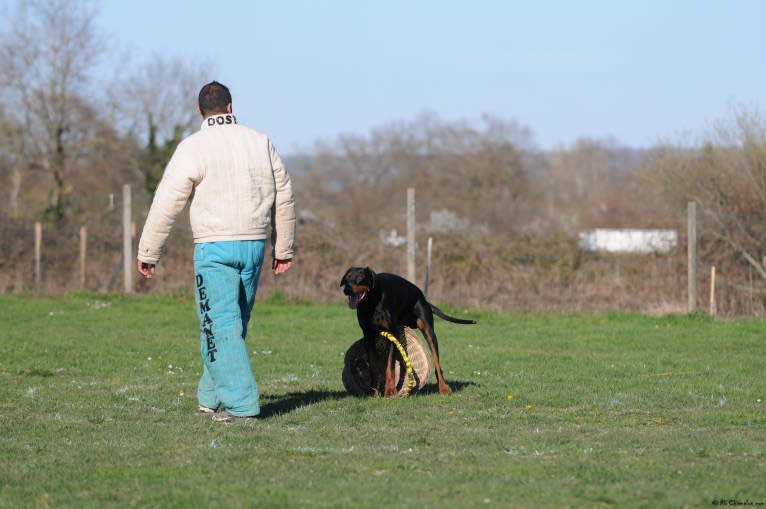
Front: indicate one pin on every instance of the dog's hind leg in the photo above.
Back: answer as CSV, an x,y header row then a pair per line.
x,y
425,323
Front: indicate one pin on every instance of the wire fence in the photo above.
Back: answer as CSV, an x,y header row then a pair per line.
x,y
100,258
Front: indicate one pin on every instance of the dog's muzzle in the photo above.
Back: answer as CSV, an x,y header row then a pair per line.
x,y
355,298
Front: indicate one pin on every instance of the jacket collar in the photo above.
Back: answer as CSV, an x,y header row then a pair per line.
x,y
218,120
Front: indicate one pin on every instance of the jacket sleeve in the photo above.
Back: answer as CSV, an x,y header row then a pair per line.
x,y
283,210
172,193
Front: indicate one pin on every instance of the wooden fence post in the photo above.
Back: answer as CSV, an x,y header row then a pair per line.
x,y
713,308
692,256
411,234
428,267
38,251
127,240
83,255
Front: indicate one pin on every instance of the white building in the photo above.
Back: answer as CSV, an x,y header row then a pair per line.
x,y
629,240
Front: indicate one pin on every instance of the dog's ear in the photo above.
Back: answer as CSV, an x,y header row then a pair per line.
x,y
371,275
343,279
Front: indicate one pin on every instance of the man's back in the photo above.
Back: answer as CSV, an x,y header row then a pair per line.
x,y
236,176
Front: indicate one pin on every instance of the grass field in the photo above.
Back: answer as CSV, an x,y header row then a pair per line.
x,y
98,410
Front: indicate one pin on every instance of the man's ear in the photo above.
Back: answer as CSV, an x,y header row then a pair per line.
x,y
228,108
199,111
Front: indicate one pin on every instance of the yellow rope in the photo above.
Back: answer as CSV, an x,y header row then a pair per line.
x,y
410,372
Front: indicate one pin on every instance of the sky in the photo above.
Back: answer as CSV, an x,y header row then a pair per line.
x,y
637,73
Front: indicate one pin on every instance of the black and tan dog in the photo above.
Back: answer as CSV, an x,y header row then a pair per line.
x,y
387,302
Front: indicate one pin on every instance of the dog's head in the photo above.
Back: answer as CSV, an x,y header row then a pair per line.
x,y
357,283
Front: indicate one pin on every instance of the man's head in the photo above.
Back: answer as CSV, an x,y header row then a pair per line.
x,y
214,98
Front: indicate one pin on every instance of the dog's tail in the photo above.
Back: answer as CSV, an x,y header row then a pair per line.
x,y
441,314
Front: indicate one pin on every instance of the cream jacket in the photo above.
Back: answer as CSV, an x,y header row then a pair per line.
x,y
238,185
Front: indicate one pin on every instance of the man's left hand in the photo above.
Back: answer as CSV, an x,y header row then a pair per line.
x,y
281,266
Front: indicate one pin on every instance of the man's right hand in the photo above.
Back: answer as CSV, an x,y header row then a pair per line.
x,y
146,269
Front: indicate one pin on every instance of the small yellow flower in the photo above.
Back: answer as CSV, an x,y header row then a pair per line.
x,y
529,406
510,397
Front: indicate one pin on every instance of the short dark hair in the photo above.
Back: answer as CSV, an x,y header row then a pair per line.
x,y
213,98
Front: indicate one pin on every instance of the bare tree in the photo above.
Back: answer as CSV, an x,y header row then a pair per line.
x,y
725,174
481,171
12,148
582,182
467,174
158,97
47,49
153,103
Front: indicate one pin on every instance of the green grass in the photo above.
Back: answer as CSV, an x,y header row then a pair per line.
x,y
97,401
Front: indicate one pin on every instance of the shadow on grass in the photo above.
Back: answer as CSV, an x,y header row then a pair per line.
x,y
286,403
455,385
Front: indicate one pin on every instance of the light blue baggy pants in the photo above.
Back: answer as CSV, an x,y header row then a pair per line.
x,y
226,276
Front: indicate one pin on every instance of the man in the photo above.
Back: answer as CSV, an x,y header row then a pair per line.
x,y
239,187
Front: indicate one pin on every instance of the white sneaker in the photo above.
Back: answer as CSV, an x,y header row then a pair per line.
x,y
224,416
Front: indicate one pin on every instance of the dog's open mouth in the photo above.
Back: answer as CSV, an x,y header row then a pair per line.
x,y
355,298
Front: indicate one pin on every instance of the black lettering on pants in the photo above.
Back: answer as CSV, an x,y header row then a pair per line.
x,y
205,321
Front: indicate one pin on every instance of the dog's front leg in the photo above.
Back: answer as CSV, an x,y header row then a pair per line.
x,y
390,388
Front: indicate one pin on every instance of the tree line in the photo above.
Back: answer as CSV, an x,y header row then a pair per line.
x,y
504,215
73,125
